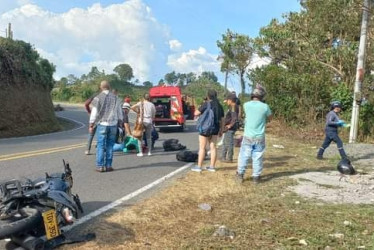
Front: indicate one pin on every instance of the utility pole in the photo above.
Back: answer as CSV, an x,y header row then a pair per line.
x,y
357,96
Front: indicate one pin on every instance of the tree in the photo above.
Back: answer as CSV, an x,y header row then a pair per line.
x,y
94,74
171,78
147,84
124,72
208,75
313,59
236,51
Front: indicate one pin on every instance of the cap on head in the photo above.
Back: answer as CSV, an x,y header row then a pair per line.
x,y
127,99
336,104
258,92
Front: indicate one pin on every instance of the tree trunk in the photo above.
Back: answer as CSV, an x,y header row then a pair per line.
x,y
242,82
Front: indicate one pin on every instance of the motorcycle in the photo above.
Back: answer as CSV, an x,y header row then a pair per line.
x,y
32,212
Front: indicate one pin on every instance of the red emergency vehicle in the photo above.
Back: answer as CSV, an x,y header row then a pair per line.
x,y
169,107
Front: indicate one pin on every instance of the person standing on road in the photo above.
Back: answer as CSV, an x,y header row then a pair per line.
x,y
149,113
107,114
333,122
230,127
90,135
257,113
204,140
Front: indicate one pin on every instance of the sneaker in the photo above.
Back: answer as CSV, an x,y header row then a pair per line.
x,y
196,169
256,179
149,154
319,157
239,178
87,152
211,169
139,154
109,169
100,169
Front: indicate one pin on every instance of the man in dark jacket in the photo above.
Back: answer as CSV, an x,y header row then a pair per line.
x,y
333,122
230,127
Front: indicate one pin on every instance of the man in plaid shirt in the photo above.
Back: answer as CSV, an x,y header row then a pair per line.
x,y
107,114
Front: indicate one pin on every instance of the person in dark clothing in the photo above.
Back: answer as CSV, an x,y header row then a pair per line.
x,y
211,139
333,122
91,134
230,127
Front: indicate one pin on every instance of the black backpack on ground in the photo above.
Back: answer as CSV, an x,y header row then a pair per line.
x,y
187,156
172,145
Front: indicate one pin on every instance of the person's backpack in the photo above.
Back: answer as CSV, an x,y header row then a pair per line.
x,y
172,145
187,156
205,124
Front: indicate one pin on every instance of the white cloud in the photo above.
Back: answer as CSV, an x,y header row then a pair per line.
x,y
97,36
175,45
194,61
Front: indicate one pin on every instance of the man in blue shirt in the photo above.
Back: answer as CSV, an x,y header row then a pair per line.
x,y
257,113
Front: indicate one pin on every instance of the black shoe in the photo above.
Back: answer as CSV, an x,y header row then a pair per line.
x,y
239,178
256,179
319,157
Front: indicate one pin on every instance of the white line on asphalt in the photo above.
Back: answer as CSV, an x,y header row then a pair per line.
x,y
125,198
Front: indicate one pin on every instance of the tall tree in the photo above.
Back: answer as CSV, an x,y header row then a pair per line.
x,y
171,78
236,52
124,72
208,75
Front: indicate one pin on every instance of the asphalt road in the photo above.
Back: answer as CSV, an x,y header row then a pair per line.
x,y
32,156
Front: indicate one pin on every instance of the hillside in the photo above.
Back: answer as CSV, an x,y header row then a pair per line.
x,y
26,81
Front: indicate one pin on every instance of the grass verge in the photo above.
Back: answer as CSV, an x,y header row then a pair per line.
x,y
264,216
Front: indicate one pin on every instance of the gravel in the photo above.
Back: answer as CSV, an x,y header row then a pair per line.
x,y
336,188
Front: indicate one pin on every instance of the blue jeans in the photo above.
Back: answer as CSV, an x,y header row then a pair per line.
x,y
106,136
254,149
332,136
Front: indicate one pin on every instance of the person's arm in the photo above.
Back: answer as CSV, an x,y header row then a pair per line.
x,y
332,119
234,119
200,110
92,119
87,105
135,107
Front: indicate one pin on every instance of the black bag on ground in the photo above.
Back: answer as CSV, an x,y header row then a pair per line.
x,y
187,156
172,145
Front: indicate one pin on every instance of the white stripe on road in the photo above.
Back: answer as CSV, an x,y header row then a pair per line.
x,y
125,198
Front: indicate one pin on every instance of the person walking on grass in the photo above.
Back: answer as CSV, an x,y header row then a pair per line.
x,y
210,139
230,127
107,114
149,113
257,113
333,122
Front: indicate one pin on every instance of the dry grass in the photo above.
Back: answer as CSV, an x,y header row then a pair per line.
x,y
264,216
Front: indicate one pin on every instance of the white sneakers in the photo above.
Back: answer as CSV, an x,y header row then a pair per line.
x,y
140,154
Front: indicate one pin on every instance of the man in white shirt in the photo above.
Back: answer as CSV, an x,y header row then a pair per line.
x,y
149,113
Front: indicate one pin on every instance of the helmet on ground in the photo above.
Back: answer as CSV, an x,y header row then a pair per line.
x,y
258,92
345,167
336,104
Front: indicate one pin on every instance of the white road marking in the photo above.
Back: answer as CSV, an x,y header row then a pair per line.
x,y
125,198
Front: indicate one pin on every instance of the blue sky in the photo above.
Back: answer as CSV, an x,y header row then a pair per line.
x,y
154,36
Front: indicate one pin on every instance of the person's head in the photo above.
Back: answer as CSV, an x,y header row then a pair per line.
x,y
147,97
115,91
104,85
127,99
336,106
258,93
212,94
231,99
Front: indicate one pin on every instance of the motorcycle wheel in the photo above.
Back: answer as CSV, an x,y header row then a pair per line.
x,y
20,222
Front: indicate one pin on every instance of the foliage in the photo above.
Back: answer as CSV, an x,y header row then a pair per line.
x,y
21,61
236,52
313,59
124,72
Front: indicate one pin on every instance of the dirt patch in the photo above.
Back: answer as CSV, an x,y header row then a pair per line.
x,y
336,188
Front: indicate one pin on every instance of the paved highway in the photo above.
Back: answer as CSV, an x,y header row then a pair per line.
x,y
33,156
